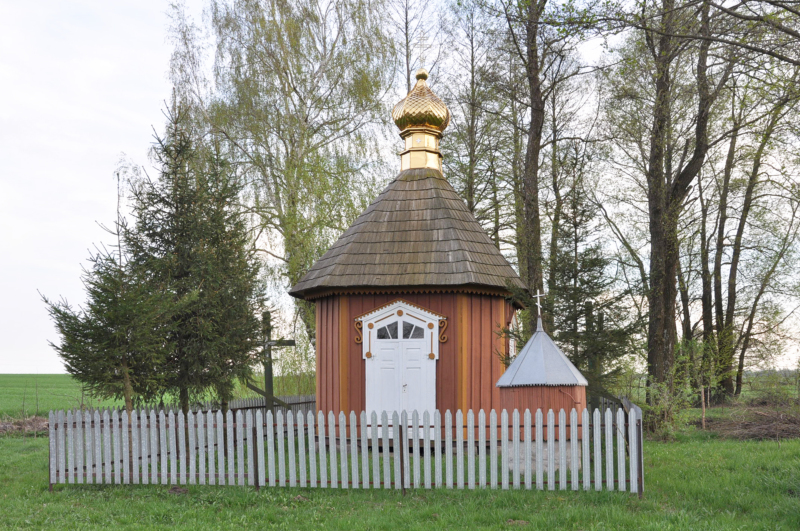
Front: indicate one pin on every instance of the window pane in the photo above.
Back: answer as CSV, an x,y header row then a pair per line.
x,y
418,333
383,333
407,329
392,330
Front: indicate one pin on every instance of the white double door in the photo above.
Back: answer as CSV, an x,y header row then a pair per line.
x,y
401,376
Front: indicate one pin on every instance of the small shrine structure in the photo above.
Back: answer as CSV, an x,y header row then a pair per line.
x,y
542,377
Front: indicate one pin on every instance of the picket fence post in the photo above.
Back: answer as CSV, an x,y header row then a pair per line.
x,y
365,452
621,450
562,450
301,447
504,446
551,455
609,419
515,454
51,430
312,451
528,447
573,444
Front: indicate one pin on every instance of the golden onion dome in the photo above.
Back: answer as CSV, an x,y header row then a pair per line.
x,y
421,108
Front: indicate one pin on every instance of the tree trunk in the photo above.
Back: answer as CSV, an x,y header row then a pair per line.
x,y
727,341
666,195
183,398
532,237
705,273
660,333
723,218
127,388
686,319
557,210
472,127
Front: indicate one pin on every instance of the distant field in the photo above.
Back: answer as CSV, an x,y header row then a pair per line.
x,y
27,394
23,395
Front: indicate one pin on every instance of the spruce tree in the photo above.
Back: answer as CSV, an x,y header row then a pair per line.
x,y
192,237
591,323
115,345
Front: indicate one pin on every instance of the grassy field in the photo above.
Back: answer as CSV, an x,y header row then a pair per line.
x,y
696,482
22,395
25,394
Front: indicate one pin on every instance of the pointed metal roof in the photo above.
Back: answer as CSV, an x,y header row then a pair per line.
x,y
418,232
541,362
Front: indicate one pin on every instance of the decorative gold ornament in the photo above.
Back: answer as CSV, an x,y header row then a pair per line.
x,y
442,328
432,356
421,117
421,108
359,336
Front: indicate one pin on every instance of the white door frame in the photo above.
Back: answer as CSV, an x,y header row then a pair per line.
x,y
399,311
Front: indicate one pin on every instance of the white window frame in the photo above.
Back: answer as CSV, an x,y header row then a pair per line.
x,y
428,319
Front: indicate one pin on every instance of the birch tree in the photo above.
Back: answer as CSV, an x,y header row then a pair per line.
x,y
298,94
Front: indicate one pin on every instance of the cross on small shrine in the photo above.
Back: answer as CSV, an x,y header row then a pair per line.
x,y
538,298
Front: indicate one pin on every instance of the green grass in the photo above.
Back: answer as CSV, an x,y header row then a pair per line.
x,y
696,482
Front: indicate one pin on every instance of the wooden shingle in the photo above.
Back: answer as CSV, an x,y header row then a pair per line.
x,y
418,232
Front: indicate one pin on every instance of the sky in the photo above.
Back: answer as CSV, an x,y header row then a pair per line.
x,y
82,84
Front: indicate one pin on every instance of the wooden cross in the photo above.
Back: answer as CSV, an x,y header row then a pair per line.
x,y
538,298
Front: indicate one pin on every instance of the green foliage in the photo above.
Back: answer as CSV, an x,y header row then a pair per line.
x,y
591,320
773,388
667,409
299,89
191,238
174,311
297,367
115,346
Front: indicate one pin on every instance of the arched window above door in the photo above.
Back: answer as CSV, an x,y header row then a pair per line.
x,y
399,320
409,331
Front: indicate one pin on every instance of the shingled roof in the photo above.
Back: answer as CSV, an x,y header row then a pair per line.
x,y
418,232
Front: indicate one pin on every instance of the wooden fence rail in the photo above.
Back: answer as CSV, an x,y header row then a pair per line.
x,y
296,403
506,450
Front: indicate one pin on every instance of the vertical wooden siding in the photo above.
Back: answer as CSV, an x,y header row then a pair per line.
x,y
328,397
469,361
545,397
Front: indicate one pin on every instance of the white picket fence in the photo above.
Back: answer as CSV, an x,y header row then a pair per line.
x,y
522,450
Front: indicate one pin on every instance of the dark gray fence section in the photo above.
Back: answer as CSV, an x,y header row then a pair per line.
x,y
296,403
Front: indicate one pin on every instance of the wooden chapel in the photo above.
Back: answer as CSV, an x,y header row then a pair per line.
x,y
411,299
